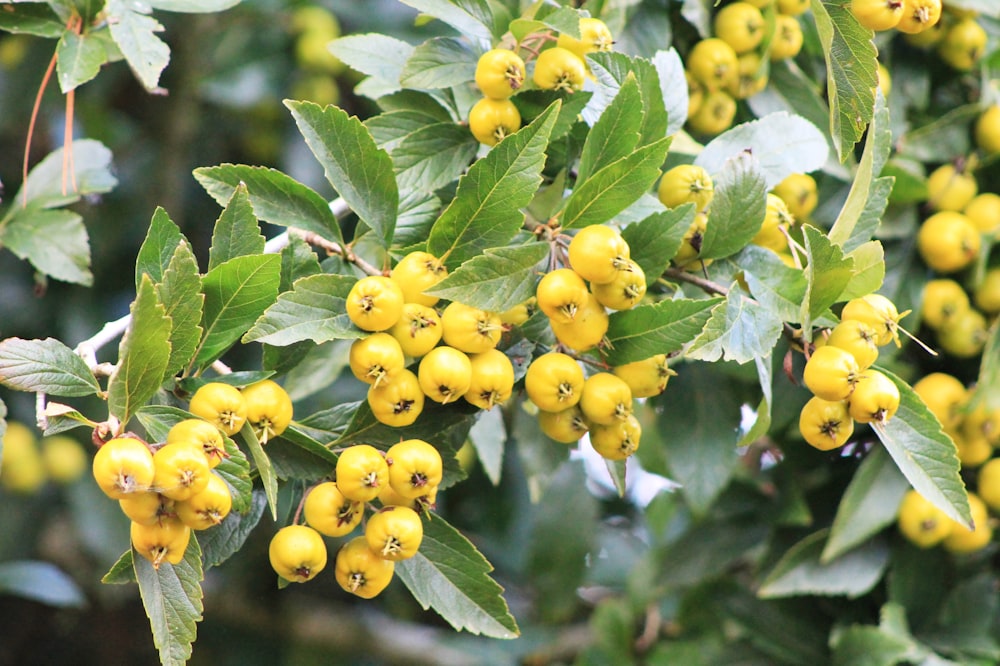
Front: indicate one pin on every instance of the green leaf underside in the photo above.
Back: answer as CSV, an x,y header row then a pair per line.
x,y
738,207
775,285
468,17
135,34
440,62
860,645
660,328
193,6
739,329
29,235
781,144
616,132
655,239
486,209
360,171
263,465
616,186
868,505
91,174
851,73
80,57
496,280
276,197
183,302
46,366
172,598
237,292
673,87
236,232
489,436
143,355
158,248
800,571
864,199
379,56
451,577
924,453
315,309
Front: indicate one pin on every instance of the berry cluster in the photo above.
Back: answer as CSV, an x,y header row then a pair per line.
x,y
958,38
404,325
908,16
265,405
28,463
404,482
733,64
501,72
846,389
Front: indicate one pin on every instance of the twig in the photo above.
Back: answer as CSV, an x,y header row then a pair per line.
x,y
704,284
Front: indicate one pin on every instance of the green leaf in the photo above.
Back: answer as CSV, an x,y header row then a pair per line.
x,y
792,90
32,19
180,293
134,31
440,62
433,156
42,582
762,415
263,465
738,207
701,411
560,19
276,198
313,310
775,285
988,382
389,129
673,87
532,103
79,59
237,292
297,261
172,598
312,446
486,209
489,437
860,645
851,76
871,216
660,328
801,572
379,56
450,576
44,366
50,185
221,542
739,329
827,271
859,202
30,232
706,551
868,505
780,143
656,238
158,248
924,453
469,17
360,171
615,187
556,561
122,572
143,355
943,139
496,280
417,214
869,270
611,71
236,232
615,134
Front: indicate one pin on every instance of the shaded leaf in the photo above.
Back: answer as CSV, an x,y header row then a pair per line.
x,y
738,207
263,466
660,328
45,366
450,576
486,209
360,171
860,645
143,355
236,232
496,280
42,582
172,598
314,309
33,18
801,572
221,542
237,292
